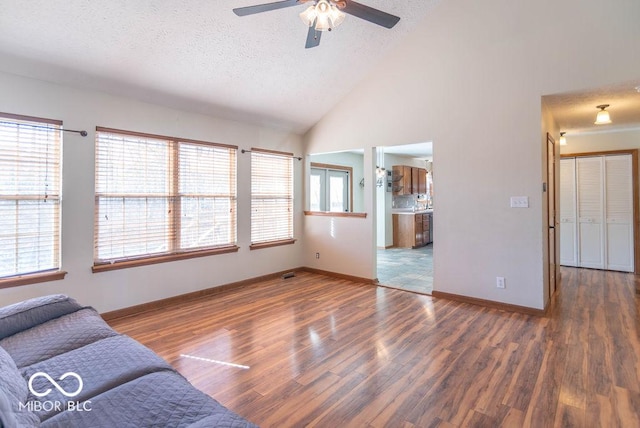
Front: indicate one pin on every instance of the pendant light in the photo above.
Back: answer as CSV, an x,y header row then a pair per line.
x,y
563,139
603,115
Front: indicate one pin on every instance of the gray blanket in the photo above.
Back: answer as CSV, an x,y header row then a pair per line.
x,y
116,381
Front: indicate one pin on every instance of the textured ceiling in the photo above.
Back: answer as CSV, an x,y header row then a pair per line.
x,y
199,56
575,112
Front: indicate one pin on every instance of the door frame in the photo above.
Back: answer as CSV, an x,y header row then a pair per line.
x,y
636,195
552,224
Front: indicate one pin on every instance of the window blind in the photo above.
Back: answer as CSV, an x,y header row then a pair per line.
x,y
29,195
159,196
271,196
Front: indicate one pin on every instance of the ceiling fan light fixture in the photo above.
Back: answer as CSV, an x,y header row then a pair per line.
x,y
309,16
324,15
323,23
603,117
336,16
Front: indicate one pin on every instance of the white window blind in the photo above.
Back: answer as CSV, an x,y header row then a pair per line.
x,y
271,197
29,195
161,196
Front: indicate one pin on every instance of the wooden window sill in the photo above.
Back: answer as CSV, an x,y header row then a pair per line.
x,y
271,244
162,259
335,214
16,281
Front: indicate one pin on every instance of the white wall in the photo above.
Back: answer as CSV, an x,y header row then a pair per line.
x,y
602,141
345,244
81,109
470,79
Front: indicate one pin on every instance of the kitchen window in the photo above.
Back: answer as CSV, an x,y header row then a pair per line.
x,y
271,198
30,192
161,199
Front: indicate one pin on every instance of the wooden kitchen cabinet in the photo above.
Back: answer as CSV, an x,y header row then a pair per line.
x,y
418,180
411,230
427,228
401,176
409,180
414,180
422,181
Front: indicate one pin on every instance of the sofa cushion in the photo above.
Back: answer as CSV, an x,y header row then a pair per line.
x,y
161,399
56,337
101,365
7,414
13,391
30,313
12,416
10,378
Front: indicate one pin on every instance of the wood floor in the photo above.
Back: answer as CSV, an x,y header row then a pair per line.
x,y
317,351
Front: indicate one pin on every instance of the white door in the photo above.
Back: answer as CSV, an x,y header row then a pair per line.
x,y
619,213
568,230
589,178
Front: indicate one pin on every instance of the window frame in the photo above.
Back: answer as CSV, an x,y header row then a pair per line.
x,y
174,198
55,273
282,240
327,188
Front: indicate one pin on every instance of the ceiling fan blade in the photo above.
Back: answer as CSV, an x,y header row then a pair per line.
x,y
370,14
313,38
259,8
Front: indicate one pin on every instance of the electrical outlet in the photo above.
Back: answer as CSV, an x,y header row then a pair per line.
x,y
500,282
317,255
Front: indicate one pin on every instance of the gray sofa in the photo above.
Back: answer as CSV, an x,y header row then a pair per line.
x,y
61,365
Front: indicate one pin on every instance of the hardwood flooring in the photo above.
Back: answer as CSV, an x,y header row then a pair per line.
x,y
318,351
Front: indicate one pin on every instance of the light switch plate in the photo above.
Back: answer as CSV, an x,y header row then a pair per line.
x,y
519,202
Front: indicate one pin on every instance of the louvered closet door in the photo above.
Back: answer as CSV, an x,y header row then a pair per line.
x,y
619,213
568,230
589,174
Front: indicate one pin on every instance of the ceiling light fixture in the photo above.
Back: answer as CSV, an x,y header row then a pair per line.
x,y
323,15
563,139
603,115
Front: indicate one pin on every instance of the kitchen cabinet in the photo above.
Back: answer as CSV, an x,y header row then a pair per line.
x,y
422,181
412,230
401,176
409,180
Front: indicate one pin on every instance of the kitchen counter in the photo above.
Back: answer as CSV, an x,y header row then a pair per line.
x,y
410,212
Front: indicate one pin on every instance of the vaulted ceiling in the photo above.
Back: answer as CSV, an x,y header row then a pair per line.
x,y
197,55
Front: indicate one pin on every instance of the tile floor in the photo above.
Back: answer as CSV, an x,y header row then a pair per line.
x,y
407,269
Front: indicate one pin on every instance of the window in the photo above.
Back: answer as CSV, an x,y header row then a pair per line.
x,y
29,197
271,198
330,188
162,198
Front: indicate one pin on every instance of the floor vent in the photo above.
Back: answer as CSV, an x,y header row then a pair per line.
x,y
288,275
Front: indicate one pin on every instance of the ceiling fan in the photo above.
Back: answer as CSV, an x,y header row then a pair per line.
x,y
324,15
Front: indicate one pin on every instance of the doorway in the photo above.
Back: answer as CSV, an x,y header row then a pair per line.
x,y
406,266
